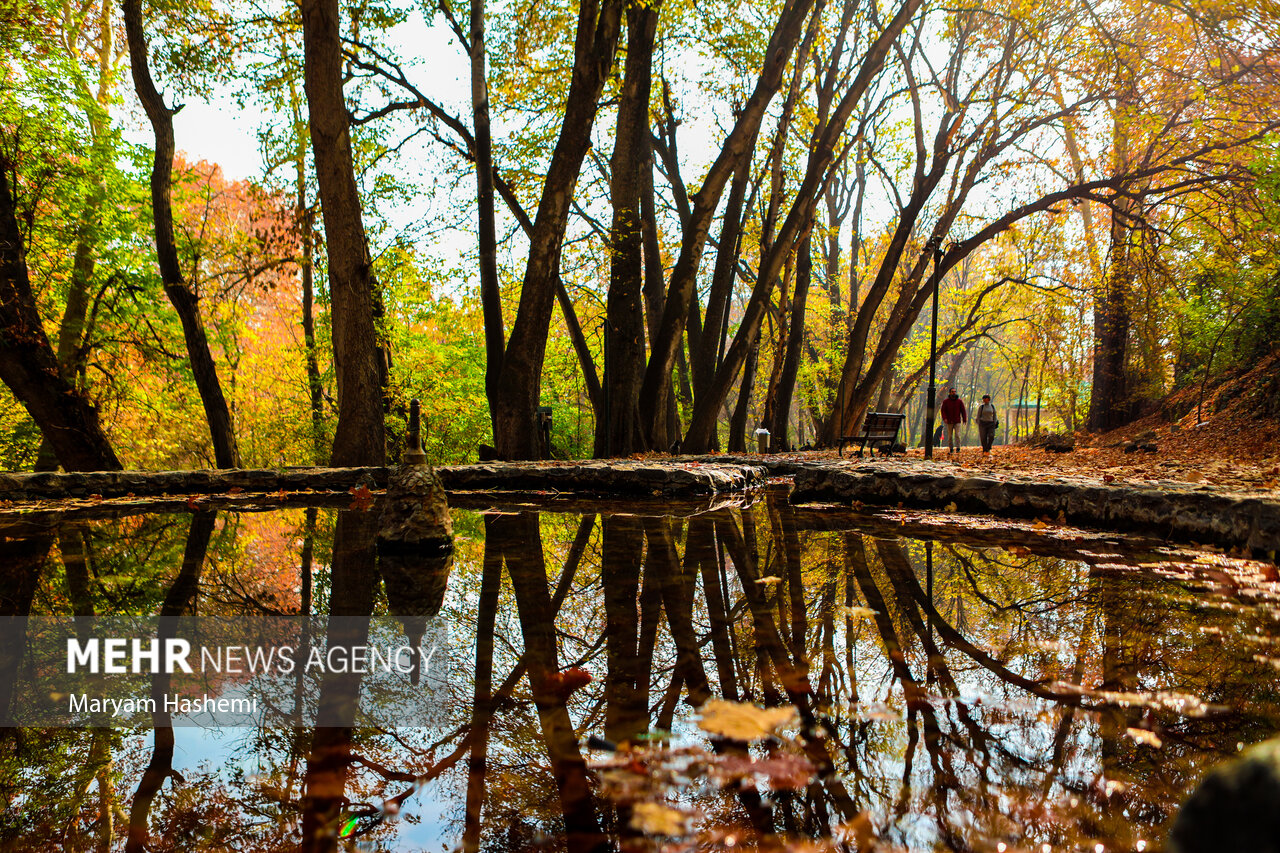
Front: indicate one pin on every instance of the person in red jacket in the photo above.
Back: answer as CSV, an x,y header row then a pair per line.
x,y
953,414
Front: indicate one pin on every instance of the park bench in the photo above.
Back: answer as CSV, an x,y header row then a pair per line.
x,y
880,430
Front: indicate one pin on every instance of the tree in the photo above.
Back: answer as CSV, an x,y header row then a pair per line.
x,y
28,364
514,404
185,302
1003,60
359,361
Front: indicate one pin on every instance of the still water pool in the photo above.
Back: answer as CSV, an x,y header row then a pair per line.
x,y
616,676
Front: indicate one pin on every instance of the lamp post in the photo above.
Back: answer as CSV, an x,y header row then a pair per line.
x,y
931,403
928,557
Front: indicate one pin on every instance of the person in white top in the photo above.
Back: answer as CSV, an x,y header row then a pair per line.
x,y
987,423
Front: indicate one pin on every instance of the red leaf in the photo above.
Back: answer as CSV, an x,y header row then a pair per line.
x,y
362,498
563,684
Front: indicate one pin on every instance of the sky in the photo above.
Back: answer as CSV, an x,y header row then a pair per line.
x,y
217,129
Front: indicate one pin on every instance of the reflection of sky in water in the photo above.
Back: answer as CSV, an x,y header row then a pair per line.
x,y
221,749
1002,764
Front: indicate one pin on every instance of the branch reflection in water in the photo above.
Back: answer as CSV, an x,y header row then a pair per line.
x,y
947,694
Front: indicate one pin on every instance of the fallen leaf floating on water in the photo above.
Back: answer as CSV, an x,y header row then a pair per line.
x,y
769,579
784,772
875,711
1145,736
855,612
361,498
658,819
563,684
740,721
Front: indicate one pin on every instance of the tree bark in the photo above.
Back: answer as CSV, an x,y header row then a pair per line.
x,y
624,302
1108,395
791,359
315,389
360,437
706,201
28,365
704,361
490,293
817,174
519,385
738,422
185,302
305,216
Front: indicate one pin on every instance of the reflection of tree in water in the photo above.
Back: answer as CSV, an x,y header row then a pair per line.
x,y
177,603
999,708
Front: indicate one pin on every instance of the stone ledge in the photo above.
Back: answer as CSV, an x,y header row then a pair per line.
x,y
603,478
1186,514
606,478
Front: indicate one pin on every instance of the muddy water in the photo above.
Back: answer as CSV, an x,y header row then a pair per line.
x,y
886,682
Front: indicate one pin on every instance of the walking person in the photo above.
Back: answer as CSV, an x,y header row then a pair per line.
x,y
987,423
953,415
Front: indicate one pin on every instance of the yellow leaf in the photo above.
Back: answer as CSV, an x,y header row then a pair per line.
x,y
1146,736
855,612
657,819
769,579
741,721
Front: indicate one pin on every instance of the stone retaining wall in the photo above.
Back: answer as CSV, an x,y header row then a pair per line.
x,y
1172,511
604,478
1167,513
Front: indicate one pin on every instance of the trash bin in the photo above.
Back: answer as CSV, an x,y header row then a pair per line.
x,y
543,417
762,440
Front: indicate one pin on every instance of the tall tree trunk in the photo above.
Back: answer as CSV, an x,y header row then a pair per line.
x,y
29,366
1108,396
519,386
71,354
315,388
778,336
824,148
738,423
306,219
185,302
1109,393
624,302
706,201
704,361
791,360
360,437
490,294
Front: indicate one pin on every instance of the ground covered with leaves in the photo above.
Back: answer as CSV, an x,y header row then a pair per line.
x,y
1231,450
